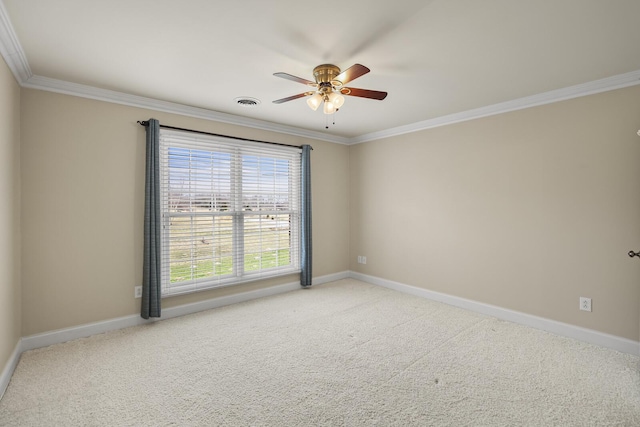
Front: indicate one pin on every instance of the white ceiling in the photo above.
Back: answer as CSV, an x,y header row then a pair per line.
x,y
435,58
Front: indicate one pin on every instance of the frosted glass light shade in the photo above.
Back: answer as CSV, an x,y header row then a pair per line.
x,y
329,107
336,99
315,101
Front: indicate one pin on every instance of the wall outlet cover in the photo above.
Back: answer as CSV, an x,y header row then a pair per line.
x,y
585,304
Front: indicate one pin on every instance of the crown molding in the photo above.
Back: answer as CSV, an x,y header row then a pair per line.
x,y
576,91
10,48
597,86
16,60
90,92
12,52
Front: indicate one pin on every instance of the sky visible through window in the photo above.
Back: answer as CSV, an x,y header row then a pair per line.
x,y
201,178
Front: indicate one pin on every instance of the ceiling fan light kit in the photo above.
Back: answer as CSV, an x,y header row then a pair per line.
x,y
329,87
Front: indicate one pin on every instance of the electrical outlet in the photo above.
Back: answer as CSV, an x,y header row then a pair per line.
x,y
585,304
137,293
364,259
359,259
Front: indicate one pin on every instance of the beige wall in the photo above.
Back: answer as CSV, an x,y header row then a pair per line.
x,y
83,184
10,292
527,210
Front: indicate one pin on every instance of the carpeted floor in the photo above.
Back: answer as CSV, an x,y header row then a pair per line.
x,y
345,353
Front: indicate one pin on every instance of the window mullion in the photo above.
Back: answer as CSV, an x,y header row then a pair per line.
x,y
192,261
238,217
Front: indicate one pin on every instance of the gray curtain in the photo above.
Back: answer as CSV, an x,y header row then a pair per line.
x,y
306,250
152,225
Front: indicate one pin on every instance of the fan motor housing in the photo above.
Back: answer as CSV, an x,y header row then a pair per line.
x,y
325,73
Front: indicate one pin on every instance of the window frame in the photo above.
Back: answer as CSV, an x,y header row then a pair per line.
x,y
238,152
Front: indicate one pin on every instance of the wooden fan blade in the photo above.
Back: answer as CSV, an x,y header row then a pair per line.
x,y
352,73
363,93
291,98
295,79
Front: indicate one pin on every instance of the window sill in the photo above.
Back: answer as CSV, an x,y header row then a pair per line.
x,y
216,284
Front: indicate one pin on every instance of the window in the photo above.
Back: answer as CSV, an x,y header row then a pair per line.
x,y
230,211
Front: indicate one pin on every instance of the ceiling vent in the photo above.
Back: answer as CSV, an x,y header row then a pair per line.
x,y
246,101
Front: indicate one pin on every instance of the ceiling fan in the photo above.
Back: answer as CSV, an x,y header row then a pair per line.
x,y
328,87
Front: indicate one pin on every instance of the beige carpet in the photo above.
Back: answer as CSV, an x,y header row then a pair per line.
x,y
345,353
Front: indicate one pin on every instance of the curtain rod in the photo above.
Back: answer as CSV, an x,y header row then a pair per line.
x,y
145,123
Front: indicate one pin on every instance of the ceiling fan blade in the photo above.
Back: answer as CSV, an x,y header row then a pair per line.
x,y
363,93
291,98
295,79
352,73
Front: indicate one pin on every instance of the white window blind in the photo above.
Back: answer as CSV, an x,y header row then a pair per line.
x,y
230,211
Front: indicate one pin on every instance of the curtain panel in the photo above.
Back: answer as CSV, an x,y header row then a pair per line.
x,y
306,250
151,282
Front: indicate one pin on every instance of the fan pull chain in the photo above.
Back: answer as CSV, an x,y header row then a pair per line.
x,y
333,119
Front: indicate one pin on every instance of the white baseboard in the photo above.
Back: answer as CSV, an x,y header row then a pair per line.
x,y
7,372
331,277
62,335
623,345
81,331
168,313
